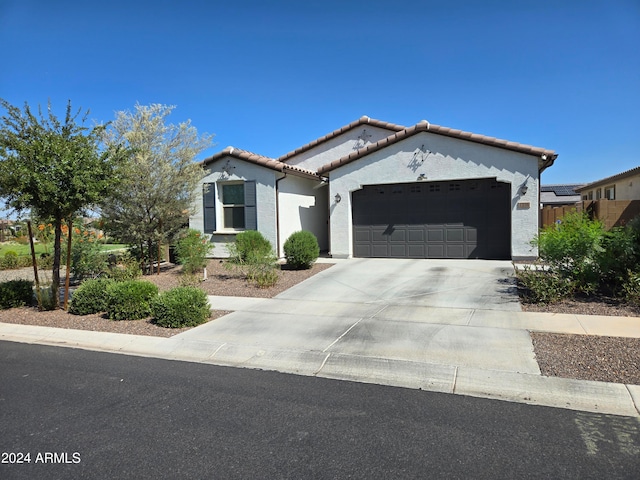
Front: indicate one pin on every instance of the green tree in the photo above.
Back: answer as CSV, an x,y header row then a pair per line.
x,y
53,168
157,189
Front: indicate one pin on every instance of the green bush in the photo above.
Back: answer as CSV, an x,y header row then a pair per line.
x,y
12,261
90,297
130,300
571,249
253,255
619,256
249,246
87,259
45,261
123,269
301,250
192,250
631,288
542,286
181,307
47,298
15,293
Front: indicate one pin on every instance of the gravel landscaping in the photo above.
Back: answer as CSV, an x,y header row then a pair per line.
x,y
220,281
585,357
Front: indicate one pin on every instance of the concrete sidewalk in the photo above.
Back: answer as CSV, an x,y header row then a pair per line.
x,y
440,371
461,333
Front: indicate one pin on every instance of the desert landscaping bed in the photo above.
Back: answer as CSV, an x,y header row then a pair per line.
x,y
220,281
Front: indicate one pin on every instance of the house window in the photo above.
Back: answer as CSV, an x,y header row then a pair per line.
x,y
590,195
233,206
598,194
610,192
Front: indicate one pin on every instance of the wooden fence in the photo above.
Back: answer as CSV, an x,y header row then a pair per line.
x,y
613,213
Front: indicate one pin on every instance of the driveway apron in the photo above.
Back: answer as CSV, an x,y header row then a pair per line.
x,y
395,309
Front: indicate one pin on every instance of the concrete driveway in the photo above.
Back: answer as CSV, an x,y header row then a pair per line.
x,y
408,310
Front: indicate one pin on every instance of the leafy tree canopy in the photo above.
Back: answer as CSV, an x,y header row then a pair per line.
x,y
156,190
53,168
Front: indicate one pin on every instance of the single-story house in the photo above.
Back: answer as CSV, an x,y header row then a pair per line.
x,y
377,189
559,195
622,186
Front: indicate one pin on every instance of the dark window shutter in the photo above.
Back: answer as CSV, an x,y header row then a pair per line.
x,y
209,207
250,213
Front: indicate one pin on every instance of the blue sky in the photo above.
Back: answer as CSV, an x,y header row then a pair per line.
x,y
270,76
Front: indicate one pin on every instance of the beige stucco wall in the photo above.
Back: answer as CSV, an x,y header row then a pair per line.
x,y
449,159
626,189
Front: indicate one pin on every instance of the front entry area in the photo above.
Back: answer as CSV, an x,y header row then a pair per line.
x,y
446,219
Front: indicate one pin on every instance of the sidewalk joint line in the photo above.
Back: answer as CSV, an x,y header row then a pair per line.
x,y
217,350
581,326
637,407
340,337
455,379
323,364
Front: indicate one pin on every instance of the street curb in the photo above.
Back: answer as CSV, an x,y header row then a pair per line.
x,y
598,397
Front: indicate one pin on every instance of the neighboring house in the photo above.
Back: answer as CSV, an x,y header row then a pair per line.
x,y
376,189
623,186
559,195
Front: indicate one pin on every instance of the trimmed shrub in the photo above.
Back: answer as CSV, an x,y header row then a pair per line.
x,y
15,293
253,255
181,307
130,300
192,250
249,246
90,297
301,250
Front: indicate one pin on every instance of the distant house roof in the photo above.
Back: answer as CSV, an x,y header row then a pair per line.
x,y
559,194
613,178
547,157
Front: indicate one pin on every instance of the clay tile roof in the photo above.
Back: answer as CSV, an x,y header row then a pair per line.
x,y
364,120
547,156
268,162
612,178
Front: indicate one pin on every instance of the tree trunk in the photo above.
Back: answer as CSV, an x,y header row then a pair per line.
x,y
55,274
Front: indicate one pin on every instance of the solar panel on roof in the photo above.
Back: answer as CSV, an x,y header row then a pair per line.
x,y
560,190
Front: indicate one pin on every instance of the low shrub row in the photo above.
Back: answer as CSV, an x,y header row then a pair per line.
x,y
136,299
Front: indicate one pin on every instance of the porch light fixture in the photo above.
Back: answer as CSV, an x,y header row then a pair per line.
x,y
338,198
524,189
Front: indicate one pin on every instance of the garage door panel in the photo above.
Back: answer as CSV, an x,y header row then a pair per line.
x,y
453,219
415,234
455,234
380,250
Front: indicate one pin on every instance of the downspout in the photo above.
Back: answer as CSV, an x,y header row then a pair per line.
x,y
278,213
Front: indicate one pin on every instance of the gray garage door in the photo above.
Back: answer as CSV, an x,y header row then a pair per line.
x,y
453,219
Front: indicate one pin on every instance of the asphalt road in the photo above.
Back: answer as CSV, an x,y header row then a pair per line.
x,y
81,414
